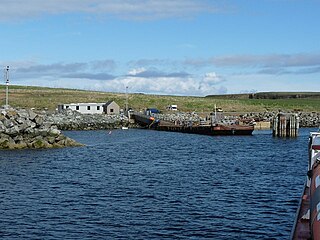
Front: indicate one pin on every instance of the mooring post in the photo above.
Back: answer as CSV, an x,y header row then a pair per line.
x,y
285,125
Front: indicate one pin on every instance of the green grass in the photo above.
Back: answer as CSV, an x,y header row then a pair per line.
x,y
41,98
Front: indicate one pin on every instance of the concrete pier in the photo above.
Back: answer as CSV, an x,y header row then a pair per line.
x,y
285,125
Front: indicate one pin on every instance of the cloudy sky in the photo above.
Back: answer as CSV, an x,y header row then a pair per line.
x,y
176,47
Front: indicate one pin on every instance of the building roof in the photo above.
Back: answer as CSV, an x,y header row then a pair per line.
x,y
84,104
109,102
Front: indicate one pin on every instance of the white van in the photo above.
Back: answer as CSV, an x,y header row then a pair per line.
x,y
173,107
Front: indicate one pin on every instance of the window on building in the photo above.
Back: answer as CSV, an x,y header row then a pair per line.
x,y
98,108
111,110
67,107
77,107
88,108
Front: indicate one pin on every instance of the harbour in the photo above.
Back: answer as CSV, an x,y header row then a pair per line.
x,y
171,119
121,186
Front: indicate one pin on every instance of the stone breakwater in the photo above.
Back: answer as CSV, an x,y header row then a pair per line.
x,y
306,119
26,129
73,120
309,119
21,129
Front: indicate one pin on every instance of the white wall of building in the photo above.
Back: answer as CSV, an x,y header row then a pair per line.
x,y
85,108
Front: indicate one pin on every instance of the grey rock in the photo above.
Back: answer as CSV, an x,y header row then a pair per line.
x,y
8,123
32,115
27,129
12,131
38,120
23,113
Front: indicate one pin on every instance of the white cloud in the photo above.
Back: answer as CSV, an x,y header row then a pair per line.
x,y
212,78
136,71
163,85
128,9
209,82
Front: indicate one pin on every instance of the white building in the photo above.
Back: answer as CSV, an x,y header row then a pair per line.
x,y
110,107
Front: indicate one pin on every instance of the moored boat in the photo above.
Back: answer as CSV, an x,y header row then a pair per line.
x,y
307,222
217,129
211,129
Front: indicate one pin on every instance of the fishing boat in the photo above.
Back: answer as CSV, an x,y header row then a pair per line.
x,y
307,221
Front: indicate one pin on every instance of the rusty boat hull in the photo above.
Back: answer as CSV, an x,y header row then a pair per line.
x,y
307,222
151,122
218,129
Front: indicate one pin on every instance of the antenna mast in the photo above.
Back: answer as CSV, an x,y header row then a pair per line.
x,y
127,99
7,86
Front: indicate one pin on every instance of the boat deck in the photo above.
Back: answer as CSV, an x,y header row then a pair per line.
x,y
301,228
206,129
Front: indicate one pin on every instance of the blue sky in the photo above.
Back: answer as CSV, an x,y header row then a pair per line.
x,y
176,47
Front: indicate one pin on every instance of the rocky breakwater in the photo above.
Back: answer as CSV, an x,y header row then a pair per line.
x,y
179,117
73,120
23,128
306,119
311,119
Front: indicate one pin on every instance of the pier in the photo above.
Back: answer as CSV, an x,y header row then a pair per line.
x,y
192,127
285,125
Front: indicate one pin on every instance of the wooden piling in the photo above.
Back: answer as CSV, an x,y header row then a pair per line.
x,y
285,125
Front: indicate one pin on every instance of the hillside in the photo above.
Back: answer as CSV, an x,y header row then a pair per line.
x,y
269,95
41,98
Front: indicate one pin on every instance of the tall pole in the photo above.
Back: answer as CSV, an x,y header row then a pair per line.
x,y
215,114
7,87
127,99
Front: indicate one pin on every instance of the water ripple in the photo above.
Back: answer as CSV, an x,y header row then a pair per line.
x,y
141,184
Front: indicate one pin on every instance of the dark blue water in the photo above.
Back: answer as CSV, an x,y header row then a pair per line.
x,y
140,184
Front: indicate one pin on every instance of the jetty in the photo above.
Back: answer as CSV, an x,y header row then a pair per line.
x,y
307,221
191,127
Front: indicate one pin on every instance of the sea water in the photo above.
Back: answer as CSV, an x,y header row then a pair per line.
x,y
143,184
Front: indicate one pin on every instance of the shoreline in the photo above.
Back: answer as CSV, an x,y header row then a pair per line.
x,y
23,128
72,120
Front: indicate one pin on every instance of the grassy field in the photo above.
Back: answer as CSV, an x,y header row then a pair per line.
x,y
41,98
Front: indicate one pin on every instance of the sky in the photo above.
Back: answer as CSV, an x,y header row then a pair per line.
x,y
167,47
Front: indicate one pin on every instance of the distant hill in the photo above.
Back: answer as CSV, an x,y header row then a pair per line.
x,y
49,98
230,96
269,95
284,95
